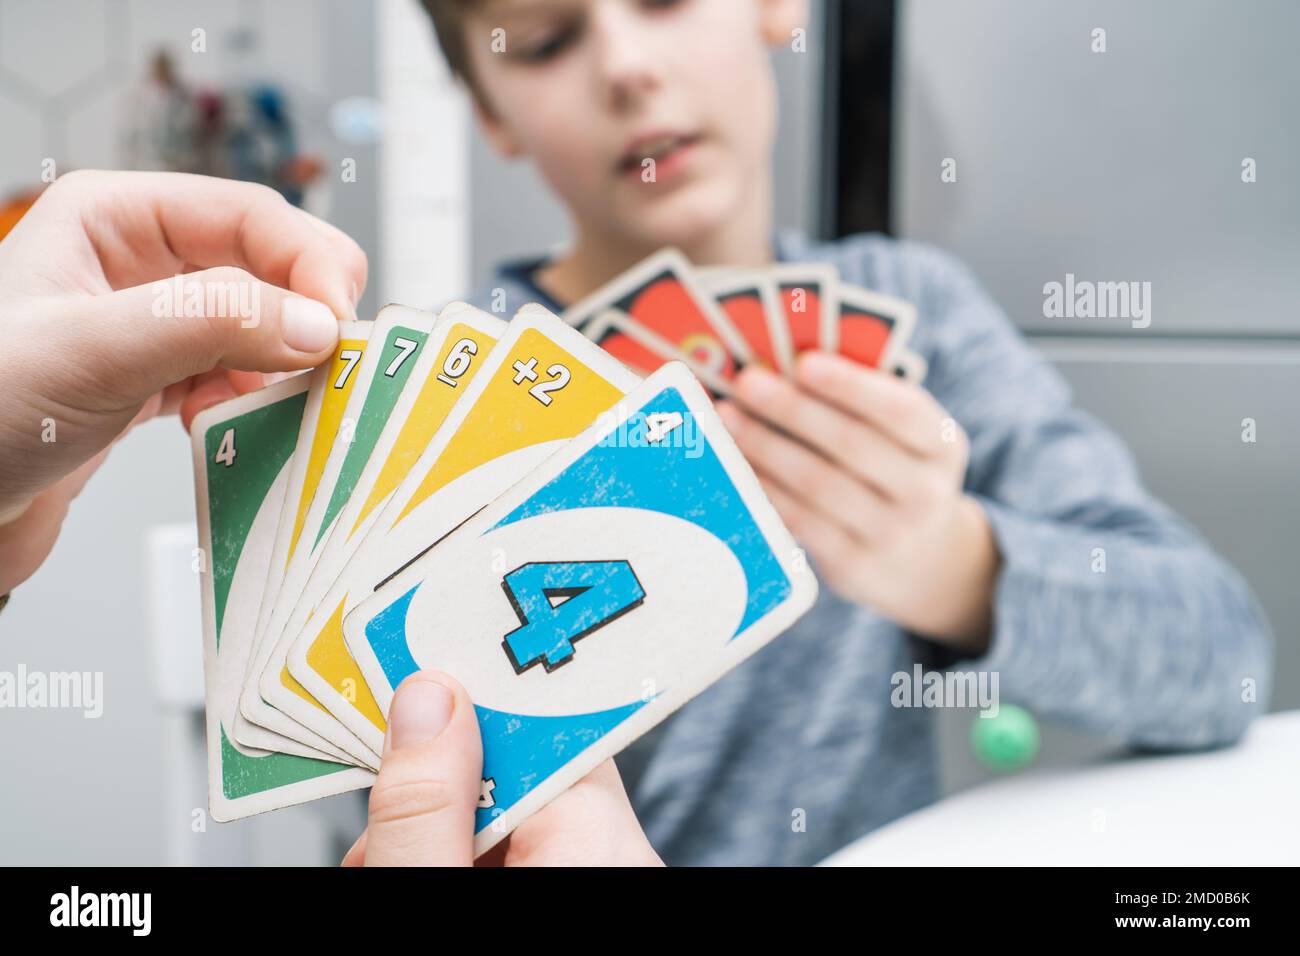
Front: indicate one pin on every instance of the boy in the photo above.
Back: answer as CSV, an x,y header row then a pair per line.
x,y
958,523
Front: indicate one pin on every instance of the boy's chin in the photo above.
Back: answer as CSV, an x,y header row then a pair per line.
x,y
680,218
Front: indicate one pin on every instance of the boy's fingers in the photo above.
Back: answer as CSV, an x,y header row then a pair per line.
x,y
834,548
144,226
422,804
908,414
825,487
866,452
142,340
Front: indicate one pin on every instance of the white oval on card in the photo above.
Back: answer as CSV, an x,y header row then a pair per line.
x,y
460,616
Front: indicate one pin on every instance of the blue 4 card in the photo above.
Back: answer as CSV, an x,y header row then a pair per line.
x,y
626,574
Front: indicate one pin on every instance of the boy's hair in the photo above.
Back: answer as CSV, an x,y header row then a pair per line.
x,y
448,18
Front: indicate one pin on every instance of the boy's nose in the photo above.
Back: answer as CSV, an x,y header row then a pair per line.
x,y
625,65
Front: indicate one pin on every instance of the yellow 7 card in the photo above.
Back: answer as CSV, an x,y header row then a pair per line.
x,y
258,724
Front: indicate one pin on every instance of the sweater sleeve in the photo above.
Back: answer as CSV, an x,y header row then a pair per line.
x,y
1110,613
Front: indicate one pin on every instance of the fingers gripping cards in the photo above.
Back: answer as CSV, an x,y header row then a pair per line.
x,y
510,503
622,576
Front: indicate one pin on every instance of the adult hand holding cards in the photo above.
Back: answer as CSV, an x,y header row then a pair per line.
x,y
582,550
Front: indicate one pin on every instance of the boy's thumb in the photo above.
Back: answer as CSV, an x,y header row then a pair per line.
x,y
422,804
164,332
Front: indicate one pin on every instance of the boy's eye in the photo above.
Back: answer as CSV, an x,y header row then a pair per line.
x,y
553,42
548,46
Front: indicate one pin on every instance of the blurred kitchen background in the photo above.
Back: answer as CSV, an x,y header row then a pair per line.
x,y
1122,165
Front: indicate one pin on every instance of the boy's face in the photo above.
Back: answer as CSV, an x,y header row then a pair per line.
x,y
590,89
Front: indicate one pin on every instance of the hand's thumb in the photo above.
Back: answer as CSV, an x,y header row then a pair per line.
x,y
422,804
166,331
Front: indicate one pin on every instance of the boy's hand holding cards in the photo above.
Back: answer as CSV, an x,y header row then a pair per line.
x,y
625,559
814,431
873,488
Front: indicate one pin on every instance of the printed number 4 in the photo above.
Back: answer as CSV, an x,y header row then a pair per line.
x,y
226,450
558,602
659,425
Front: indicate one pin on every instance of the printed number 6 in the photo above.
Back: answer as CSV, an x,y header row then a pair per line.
x,y
457,361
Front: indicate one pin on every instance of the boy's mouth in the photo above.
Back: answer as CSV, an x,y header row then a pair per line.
x,y
658,146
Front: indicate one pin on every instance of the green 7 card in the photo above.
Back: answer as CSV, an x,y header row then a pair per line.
x,y
332,383
392,351
540,386
242,451
460,342
619,579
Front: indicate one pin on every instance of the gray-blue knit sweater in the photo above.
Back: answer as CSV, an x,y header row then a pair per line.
x,y
798,751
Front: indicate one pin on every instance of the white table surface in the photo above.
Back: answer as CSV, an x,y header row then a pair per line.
x,y
1235,806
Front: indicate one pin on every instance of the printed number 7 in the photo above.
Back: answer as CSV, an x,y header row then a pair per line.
x,y
404,349
350,358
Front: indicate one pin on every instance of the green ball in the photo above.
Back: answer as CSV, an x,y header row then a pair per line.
x,y
1005,742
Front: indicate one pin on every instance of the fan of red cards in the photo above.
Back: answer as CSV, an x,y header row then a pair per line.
x,y
719,319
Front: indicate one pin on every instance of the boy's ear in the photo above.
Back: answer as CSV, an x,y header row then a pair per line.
x,y
501,139
779,18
